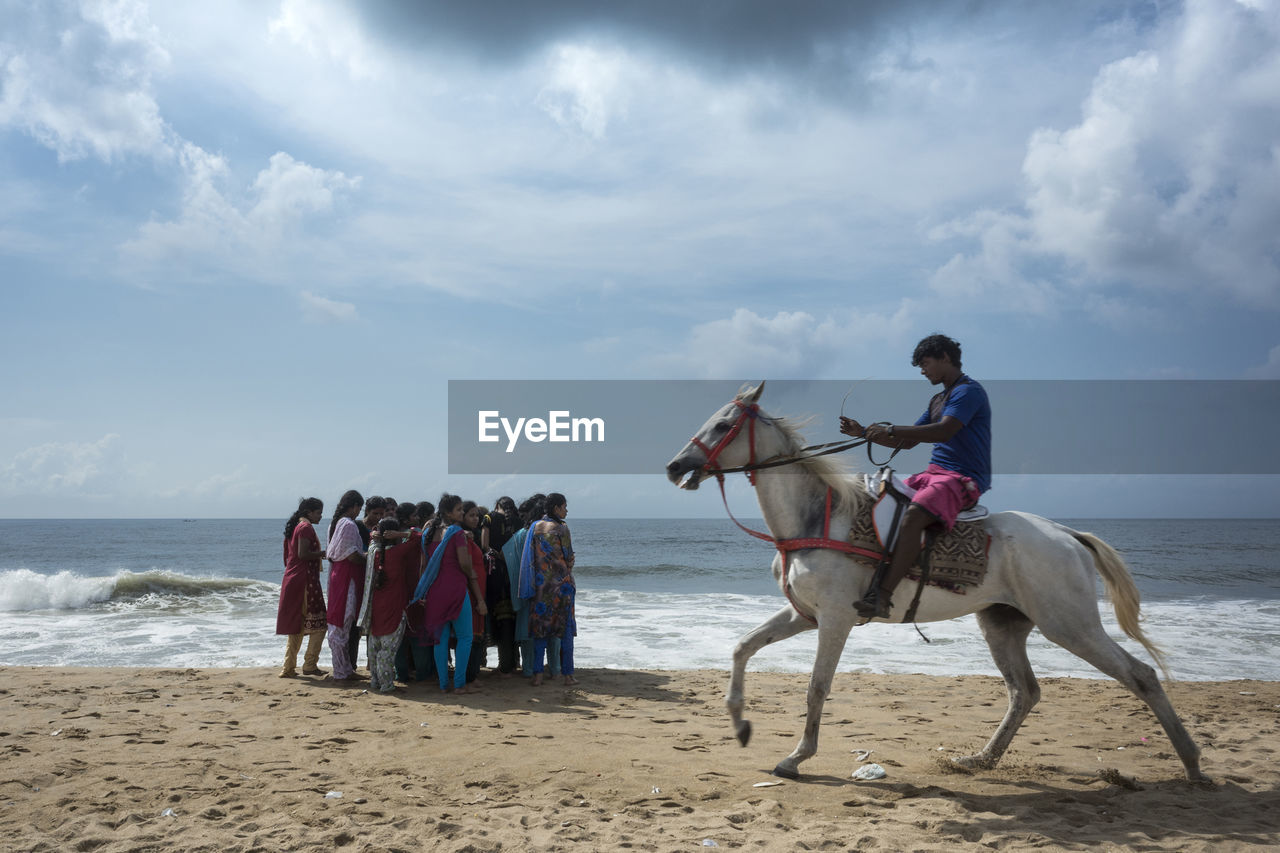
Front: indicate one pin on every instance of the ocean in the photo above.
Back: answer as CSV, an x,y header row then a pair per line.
x,y
653,594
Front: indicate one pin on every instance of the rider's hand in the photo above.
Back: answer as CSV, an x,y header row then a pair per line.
x,y
849,426
878,432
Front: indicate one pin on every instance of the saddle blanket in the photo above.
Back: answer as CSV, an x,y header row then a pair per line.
x,y
959,557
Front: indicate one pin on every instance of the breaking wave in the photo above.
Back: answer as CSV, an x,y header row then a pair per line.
x,y
23,590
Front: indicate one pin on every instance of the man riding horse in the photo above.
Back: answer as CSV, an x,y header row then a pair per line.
x,y
958,422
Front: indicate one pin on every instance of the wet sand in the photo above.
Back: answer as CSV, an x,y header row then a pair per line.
x,y
239,760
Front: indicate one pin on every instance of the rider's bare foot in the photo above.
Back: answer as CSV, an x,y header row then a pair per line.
x,y
570,680
536,680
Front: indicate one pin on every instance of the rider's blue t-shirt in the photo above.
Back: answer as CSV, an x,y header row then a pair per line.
x,y
969,450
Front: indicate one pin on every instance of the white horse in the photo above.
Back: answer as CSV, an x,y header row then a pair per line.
x,y
1040,574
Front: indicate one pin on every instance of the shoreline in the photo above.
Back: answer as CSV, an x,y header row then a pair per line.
x,y
242,760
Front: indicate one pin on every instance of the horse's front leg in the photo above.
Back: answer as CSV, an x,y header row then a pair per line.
x,y
833,631
785,623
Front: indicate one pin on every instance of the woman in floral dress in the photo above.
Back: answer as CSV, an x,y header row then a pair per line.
x,y
546,580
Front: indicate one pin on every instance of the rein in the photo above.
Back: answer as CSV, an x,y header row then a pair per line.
x,y
750,414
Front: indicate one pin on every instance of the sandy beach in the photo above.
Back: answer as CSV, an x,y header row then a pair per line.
x,y
101,759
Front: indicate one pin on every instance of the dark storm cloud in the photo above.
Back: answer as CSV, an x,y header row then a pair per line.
x,y
762,34
735,32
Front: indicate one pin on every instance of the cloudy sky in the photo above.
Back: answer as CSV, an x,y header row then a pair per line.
x,y
244,245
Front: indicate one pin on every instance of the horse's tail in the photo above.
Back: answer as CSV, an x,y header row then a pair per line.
x,y
1123,593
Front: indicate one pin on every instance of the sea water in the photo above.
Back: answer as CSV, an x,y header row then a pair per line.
x,y
652,594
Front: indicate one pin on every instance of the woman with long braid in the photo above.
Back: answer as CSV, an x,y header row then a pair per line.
x,y
301,609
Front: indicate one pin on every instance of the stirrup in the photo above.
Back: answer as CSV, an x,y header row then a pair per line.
x,y
873,605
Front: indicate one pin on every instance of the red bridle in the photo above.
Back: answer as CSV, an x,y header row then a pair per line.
x,y
750,413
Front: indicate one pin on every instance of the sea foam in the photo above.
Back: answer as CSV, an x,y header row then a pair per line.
x,y
23,590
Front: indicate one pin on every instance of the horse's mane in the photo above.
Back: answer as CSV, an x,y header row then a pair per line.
x,y
845,483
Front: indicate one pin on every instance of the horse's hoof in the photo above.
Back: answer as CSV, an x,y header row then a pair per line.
x,y
744,732
786,772
970,763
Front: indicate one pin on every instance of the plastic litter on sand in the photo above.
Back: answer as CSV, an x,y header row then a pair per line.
x,y
333,795
868,772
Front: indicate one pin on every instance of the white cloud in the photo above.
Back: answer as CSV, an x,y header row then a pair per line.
x,y
231,484
78,78
289,190
63,469
1269,370
329,31
992,276
1124,314
788,344
321,309
250,236
1168,181
586,89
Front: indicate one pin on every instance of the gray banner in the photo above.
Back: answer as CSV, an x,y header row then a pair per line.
x,y
1038,426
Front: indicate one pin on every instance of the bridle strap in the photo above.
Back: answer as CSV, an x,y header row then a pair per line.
x,y
749,412
786,546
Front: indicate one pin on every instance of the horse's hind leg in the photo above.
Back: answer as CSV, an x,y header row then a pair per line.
x,y
1005,630
785,623
1094,646
832,634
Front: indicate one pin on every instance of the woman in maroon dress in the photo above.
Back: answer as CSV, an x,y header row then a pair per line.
x,y
302,608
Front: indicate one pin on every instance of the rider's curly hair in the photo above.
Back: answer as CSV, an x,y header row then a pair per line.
x,y
936,346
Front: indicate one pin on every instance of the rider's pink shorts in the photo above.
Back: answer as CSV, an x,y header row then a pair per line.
x,y
944,493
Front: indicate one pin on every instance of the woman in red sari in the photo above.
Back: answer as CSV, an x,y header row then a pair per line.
x,y
301,609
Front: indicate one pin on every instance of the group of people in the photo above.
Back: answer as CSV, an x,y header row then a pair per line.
x,y
423,580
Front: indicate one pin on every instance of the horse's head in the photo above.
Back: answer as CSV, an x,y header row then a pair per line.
x,y
730,438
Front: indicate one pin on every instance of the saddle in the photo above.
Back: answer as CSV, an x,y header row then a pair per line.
x,y
956,559
892,495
